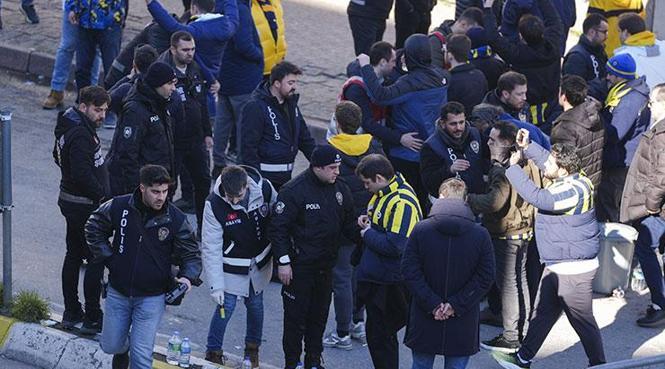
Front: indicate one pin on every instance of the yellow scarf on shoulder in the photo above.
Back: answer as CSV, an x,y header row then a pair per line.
x,y
616,93
645,38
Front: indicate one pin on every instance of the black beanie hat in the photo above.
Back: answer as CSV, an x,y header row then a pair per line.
x,y
324,155
159,74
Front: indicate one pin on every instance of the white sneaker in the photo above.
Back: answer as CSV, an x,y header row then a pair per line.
x,y
358,331
335,341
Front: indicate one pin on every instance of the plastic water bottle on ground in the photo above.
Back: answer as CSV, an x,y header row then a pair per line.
x,y
173,349
247,363
185,353
300,365
638,284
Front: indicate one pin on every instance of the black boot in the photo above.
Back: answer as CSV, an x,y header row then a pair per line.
x,y
121,361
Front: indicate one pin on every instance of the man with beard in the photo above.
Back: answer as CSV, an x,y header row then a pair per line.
x,y
415,99
510,95
192,132
144,134
453,151
273,128
587,59
567,235
78,153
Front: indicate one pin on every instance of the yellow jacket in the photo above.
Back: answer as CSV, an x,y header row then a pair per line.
x,y
273,51
612,9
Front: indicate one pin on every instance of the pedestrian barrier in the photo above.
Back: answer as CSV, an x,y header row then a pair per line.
x,y
652,362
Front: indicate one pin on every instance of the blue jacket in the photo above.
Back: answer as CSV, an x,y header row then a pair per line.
x,y
211,32
448,258
98,14
438,154
415,98
566,226
242,63
625,122
535,133
514,9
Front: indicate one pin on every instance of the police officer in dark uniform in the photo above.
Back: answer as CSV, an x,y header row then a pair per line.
x,y
312,211
192,132
273,129
144,134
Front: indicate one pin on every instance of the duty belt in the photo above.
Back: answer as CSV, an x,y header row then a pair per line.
x,y
276,167
64,196
524,236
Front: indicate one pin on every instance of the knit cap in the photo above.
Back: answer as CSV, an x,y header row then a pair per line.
x,y
159,74
324,155
622,66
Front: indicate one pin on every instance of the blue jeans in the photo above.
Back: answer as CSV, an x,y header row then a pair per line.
x,y
229,113
254,305
426,361
89,40
651,229
65,54
142,314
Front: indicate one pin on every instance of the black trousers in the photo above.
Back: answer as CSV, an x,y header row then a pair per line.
x,y
510,256
77,250
306,304
387,312
197,162
572,295
408,23
610,189
365,32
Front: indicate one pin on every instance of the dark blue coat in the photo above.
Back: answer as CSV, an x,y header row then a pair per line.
x,y
448,258
513,10
242,63
211,32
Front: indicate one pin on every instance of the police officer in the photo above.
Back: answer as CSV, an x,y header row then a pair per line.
x,y
312,211
144,134
148,234
273,129
192,132
78,153
236,254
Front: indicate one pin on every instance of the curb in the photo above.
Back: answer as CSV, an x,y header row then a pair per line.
x,y
22,60
51,348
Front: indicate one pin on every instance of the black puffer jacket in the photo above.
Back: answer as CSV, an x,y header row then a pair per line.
x,y
378,9
144,135
467,86
78,153
582,127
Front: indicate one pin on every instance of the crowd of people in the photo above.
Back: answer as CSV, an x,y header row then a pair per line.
x,y
473,162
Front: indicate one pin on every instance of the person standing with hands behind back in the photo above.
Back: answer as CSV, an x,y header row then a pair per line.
x,y
446,281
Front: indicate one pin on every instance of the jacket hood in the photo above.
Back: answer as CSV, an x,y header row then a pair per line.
x,y
417,51
586,114
645,38
255,190
352,145
353,69
639,85
70,118
453,216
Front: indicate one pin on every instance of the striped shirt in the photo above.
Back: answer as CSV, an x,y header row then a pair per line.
x,y
395,208
571,195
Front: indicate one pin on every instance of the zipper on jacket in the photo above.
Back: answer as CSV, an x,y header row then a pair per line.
x,y
136,257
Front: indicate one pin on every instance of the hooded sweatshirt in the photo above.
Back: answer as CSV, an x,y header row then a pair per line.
x,y
415,98
649,55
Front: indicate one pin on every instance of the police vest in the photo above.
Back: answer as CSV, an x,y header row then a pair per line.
x,y
473,177
245,235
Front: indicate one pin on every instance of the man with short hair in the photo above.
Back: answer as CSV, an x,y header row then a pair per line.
x,y
642,205
148,234
580,126
625,117
470,17
447,281
367,20
467,84
312,212
453,150
237,255
144,56
612,9
510,95
587,59
273,129
210,30
392,213
567,235
642,45
509,220
191,130
78,153
538,57
144,133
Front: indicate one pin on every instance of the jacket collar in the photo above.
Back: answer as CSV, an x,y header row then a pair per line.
x,y
645,38
462,68
395,183
454,207
254,191
150,217
352,145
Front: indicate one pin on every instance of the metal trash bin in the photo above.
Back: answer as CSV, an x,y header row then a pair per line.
x,y
615,257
